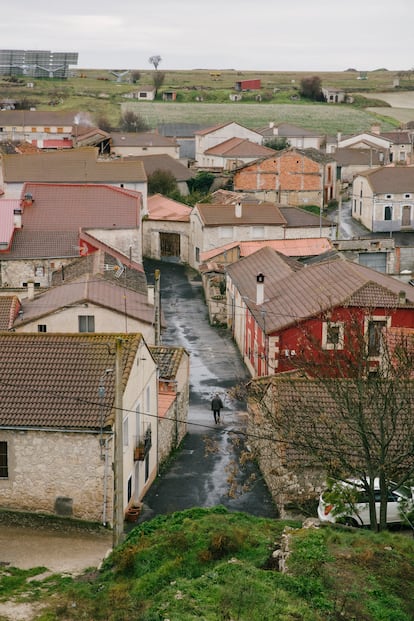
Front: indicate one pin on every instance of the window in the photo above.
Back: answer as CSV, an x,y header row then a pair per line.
x,y
197,254
41,327
86,323
407,195
129,489
4,465
332,335
375,328
39,270
387,212
388,196
402,156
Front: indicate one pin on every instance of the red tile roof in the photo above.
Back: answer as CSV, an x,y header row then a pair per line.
x,y
239,147
251,213
290,247
94,289
9,308
52,380
67,207
162,208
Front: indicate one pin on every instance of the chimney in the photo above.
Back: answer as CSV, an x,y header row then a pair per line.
x,y
259,289
28,200
30,290
401,297
151,294
338,137
271,124
376,129
17,218
238,210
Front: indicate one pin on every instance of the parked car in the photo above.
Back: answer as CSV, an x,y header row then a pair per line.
x,y
400,502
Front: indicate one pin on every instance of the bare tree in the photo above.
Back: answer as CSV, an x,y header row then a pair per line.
x,y
155,60
133,122
340,416
158,78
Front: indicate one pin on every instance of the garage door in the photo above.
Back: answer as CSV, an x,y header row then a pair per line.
x,y
376,260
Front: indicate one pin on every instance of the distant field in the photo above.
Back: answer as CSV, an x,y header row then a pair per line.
x,y
323,118
102,93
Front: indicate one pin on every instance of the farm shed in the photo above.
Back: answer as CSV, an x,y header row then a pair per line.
x,y
248,85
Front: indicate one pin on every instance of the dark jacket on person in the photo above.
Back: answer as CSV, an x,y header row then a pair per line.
x,y
216,404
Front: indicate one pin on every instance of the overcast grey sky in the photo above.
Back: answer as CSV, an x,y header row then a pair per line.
x,y
268,35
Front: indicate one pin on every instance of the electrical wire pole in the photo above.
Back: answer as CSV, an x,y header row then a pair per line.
x,y
157,308
118,515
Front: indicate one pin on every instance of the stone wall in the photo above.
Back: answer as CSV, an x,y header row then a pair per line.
x,y
58,473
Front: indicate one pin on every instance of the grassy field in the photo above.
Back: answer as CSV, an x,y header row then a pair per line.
x,y
100,93
212,565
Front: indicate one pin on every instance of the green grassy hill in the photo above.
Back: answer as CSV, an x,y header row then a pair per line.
x,y
203,97
211,565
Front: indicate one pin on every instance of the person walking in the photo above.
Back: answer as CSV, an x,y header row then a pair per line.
x,y
216,406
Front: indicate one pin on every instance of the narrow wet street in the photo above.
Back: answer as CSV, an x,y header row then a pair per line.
x,y
206,471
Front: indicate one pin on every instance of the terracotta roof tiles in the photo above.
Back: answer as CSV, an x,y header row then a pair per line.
x,y
52,380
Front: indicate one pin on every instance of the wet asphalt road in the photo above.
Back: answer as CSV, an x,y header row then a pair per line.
x,y
198,476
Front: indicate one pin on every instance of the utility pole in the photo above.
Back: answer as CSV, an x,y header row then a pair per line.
x,y
118,516
157,308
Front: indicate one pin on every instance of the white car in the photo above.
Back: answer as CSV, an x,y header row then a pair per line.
x,y
399,501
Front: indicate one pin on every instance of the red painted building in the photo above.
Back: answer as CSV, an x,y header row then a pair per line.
x,y
248,85
311,311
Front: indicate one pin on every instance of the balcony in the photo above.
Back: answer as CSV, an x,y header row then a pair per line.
x,y
143,445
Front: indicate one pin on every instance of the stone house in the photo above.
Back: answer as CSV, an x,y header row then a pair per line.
x,y
291,176
215,226
81,412
210,137
383,199
166,230
173,397
143,143
274,301
43,231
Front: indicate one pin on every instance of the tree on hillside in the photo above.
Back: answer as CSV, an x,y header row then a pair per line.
x,y
158,78
135,76
341,414
103,123
155,61
133,122
311,88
